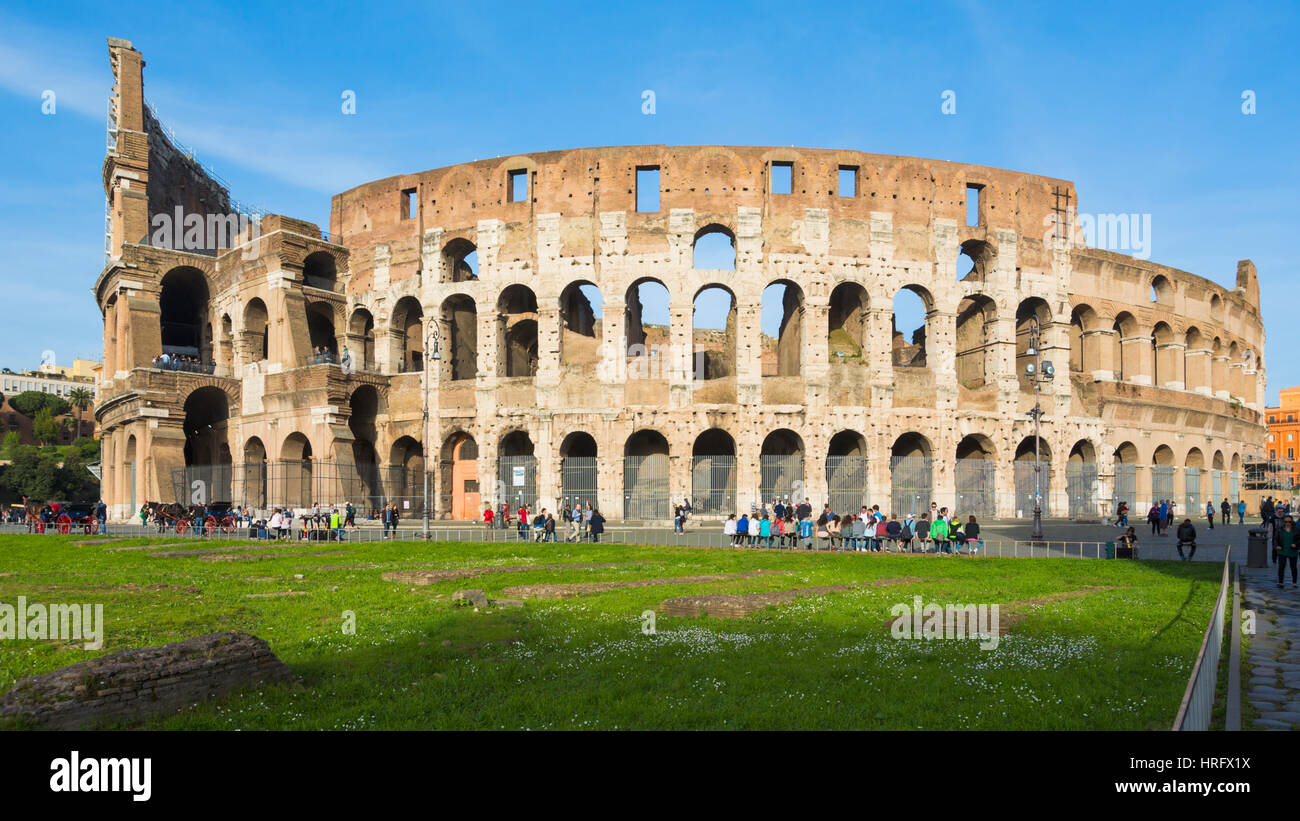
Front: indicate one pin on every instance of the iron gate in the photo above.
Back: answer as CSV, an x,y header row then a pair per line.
x,y
713,484
846,482
781,479
645,487
976,486
911,484
1081,489
578,481
1025,488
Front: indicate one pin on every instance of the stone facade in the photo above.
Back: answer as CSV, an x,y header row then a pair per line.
x,y
459,287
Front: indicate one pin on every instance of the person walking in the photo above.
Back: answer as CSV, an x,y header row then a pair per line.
x,y
1153,516
1226,510
597,525
1241,511
101,516
1209,513
1286,546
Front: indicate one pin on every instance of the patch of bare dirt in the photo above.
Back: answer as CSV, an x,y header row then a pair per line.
x,y
739,605
423,577
565,591
275,595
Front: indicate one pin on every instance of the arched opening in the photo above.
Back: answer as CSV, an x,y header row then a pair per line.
x,y
295,485
1126,465
207,411
781,477
1127,362
1218,483
364,486
1164,367
1027,313
911,475
320,329
129,475
1161,289
975,472
226,350
254,474
1234,479
1196,361
714,249
517,469
256,337
912,305
1085,354
361,340
408,333
1163,470
579,470
1216,308
319,270
581,319
460,260
646,327
461,492
1193,473
1218,368
1033,477
846,339
781,340
405,474
517,331
645,476
183,313
460,326
713,333
976,316
975,261
713,472
846,472
1081,485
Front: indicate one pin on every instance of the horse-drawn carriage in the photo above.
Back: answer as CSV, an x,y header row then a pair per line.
x,y
198,520
61,517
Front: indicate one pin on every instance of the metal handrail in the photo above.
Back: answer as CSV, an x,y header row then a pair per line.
x,y
1198,699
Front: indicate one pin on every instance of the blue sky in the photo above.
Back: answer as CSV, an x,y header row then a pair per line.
x,y
1139,106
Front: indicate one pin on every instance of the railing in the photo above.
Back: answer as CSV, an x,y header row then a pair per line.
x,y
1198,700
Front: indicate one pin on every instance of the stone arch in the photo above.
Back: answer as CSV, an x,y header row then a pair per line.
x,y
581,321
781,466
1030,311
976,259
460,330
637,340
911,475
1085,348
714,248
847,478
361,336
713,349
579,470
783,355
910,352
320,330
645,475
461,490
295,481
254,473
847,323
975,476
460,260
183,306
407,332
364,407
1164,363
976,315
713,472
1161,290
320,270
1032,486
517,331
1127,363
256,330
1081,480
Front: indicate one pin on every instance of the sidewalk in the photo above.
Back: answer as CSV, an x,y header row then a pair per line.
x,y
1274,655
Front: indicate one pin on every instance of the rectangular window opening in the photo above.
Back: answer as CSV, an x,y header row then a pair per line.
x,y
409,208
647,188
848,180
782,177
973,209
518,185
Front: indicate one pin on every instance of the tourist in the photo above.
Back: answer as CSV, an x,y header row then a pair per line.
x,y
923,533
596,525
1226,510
679,519
1209,513
939,533
1286,547
778,531
823,535
805,529
277,521
522,522
1166,510
973,536
803,510
1241,511
909,533
742,530
1186,536
729,529
350,515
549,527
1130,541
336,523
101,516
893,531
1153,516
833,526
1121,514
765,531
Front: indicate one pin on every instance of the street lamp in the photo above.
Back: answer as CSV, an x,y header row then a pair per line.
x,y
433,354
1038,372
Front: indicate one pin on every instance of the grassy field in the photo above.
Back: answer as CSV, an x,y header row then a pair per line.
x,y
1094,644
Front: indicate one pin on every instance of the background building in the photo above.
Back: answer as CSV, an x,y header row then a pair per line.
x,y
509,298
1284,436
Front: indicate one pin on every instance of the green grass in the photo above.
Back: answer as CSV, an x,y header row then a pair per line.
x,y
1115,658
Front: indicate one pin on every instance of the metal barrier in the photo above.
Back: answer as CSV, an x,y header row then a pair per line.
x,y
713,483
1198,700
911,484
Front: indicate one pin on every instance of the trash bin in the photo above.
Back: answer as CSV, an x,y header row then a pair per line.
x,y
1110,550
1257,549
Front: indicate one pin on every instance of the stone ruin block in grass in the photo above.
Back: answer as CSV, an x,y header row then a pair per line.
x,y
133,685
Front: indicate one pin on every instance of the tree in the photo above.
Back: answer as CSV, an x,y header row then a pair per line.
x,y
81,399
30,403
12,442
44,428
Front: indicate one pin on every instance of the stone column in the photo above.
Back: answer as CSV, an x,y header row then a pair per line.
x,y
1099,354
1171,365
679,360
1196,369
1138,366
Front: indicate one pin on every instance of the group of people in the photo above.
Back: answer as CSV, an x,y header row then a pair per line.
x,y
576,524
183,362
323,356
938,530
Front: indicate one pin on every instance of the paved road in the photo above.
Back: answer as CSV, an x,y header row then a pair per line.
x,y
1273,658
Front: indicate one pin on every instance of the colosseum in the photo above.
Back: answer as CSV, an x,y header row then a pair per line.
x,y
534,321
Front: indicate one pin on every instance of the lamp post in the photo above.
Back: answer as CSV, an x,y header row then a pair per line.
x,y
431,347
1038,372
